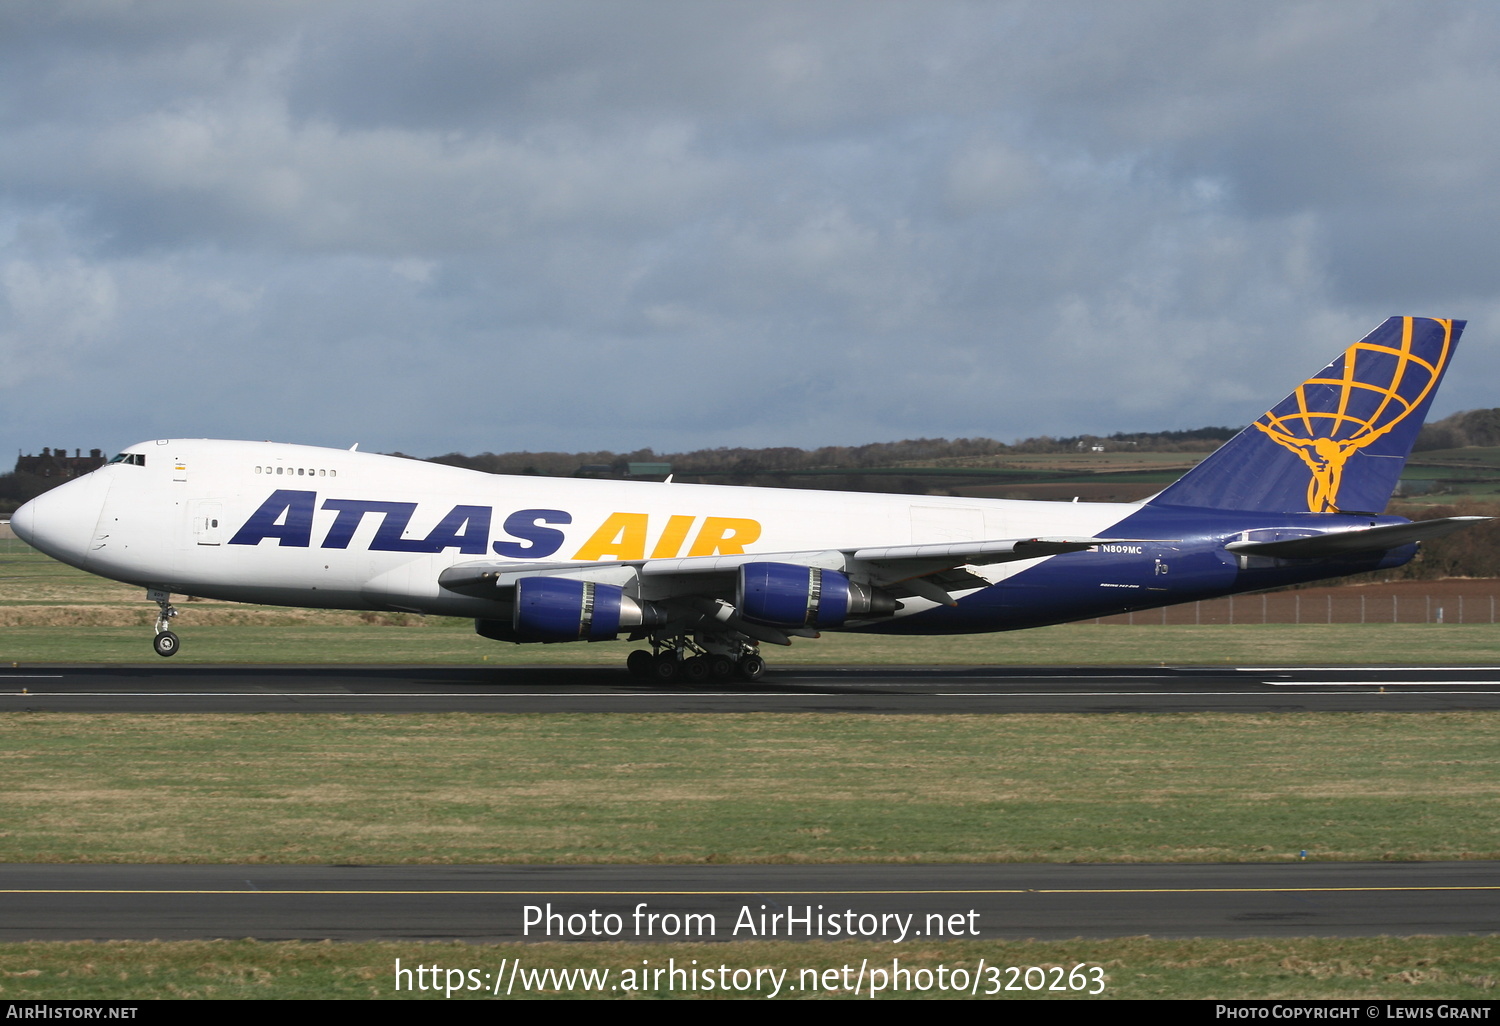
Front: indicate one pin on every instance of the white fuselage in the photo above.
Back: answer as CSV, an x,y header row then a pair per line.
x,y
203,517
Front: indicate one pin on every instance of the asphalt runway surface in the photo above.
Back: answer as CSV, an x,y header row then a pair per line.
x,y
167,688
881,904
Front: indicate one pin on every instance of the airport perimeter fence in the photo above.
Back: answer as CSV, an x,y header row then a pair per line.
x,y
1407,606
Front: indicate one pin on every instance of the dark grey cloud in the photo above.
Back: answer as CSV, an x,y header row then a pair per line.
x,y
454,225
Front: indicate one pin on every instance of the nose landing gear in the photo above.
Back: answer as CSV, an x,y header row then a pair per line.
x,y
165,642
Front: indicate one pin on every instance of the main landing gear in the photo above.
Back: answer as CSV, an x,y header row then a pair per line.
x,y
696,661
165,642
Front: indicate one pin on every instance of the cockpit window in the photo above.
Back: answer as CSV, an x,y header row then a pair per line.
x,y
137,459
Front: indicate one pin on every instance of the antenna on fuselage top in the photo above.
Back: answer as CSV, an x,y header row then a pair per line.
x,y
354,447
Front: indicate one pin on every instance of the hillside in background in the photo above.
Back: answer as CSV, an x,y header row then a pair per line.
x,y
1456,459
1467,428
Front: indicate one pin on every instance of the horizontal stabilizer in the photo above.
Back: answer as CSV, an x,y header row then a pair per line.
x,y
1343,543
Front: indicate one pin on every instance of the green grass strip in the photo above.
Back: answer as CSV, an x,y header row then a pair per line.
x,y
794,788
1352,969
445,642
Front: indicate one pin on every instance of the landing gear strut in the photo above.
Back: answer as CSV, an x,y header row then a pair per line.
x,y
165,642
695,660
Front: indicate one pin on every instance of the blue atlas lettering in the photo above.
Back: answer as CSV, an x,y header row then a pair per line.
x,y
352,511
286,516
526,525
388,534
465,528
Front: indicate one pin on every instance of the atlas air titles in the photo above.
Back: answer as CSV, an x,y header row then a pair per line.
x,y
287,518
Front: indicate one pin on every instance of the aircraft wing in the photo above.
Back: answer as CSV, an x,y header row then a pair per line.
x,y
692,575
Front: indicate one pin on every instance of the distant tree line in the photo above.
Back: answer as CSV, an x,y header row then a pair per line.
x,y
834,458
1205,439
1472,552
1471,427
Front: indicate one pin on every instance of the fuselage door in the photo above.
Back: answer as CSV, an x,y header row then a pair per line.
x,y
207,516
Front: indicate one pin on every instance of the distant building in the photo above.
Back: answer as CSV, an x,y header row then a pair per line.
x,y
58,464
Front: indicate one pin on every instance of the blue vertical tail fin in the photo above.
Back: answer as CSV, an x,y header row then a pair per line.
x,y
1338,443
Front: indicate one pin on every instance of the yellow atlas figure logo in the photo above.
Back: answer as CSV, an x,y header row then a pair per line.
x,y
1334,417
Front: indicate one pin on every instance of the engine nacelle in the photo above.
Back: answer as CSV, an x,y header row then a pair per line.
x,y
788,595
566,609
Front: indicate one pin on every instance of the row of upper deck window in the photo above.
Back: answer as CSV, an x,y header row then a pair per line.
x,y
299,471
137,459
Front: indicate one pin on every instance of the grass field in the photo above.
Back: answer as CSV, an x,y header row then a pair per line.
x,y
731,788
1135,968
453,643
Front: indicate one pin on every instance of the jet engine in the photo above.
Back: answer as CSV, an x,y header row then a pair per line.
x,y
565,609
787,595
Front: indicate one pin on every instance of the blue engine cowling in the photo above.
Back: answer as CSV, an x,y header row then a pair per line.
x,y
788,595
565,609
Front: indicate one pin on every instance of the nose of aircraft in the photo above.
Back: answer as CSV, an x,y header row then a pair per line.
x,y
62,522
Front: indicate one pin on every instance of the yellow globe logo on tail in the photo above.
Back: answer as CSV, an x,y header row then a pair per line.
x,y
1371,389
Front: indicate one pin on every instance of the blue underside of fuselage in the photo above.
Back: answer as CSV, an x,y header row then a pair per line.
x,y
1186,562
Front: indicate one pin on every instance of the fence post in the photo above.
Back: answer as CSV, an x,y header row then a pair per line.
x,y
1231,610
1297,608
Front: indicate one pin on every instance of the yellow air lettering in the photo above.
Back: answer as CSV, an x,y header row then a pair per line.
x,y
724,536
670,542
622,536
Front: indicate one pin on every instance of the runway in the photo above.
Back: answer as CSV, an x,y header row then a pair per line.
x,y
164,688
488,903
880,904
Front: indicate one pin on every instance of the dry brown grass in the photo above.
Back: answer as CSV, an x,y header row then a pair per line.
x,y
206,614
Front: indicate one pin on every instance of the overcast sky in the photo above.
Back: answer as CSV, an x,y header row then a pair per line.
x,y
437,225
